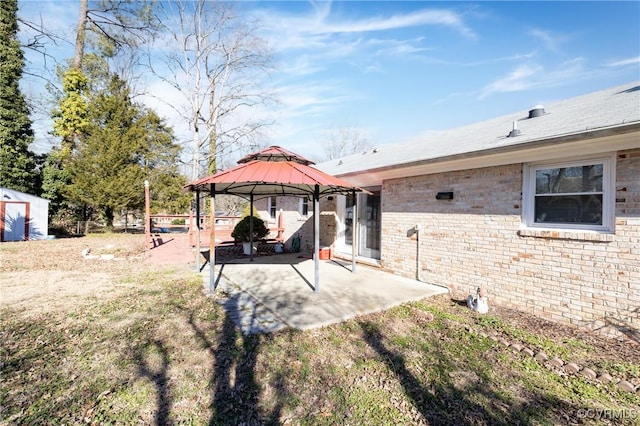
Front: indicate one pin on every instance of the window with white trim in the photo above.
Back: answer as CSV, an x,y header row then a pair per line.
x,y
273,208
577,194
303,207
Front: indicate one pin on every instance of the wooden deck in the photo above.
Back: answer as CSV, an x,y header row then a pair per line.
x,y
223,236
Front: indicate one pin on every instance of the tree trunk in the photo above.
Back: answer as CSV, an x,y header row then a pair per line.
x,y
81,33
212,164
108,217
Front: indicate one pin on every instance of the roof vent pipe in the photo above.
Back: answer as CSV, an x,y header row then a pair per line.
x,y
537,111
515,131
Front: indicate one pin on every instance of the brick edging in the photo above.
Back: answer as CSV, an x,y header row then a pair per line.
x,y
556,363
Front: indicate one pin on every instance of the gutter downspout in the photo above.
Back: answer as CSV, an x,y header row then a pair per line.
x,y
417,229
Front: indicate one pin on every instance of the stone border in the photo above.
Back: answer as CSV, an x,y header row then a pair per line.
x,y
557,363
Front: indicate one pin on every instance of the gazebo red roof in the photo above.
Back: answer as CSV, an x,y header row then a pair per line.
x,y
275,153
273,171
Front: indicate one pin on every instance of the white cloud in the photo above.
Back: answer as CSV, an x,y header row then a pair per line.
x,y
519,79
532,76
567,71
308,100
550,41
393,47
371,69
624,62
301,66
442,17
316,30
516,57
301,114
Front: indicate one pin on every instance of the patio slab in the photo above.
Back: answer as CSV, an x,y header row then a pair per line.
x,y
274,292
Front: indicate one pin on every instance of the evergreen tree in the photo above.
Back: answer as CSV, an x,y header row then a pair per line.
x,y
17,163
167,194
70,119
122,145
160,160
54,181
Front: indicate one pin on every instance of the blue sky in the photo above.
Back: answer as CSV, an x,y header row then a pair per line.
x,y
395,70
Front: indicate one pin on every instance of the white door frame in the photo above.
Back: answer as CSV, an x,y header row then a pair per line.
x,y
341,211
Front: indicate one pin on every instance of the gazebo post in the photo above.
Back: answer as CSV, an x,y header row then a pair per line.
x,y
198,230
212,240
354,233
147,218
316,236
251,227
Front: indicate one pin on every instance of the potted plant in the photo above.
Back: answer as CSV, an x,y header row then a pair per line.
x,y
241,232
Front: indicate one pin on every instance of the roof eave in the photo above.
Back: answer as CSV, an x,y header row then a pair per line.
x,y
377,174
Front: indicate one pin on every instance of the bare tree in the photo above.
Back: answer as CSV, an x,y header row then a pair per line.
x,y
37,39
115,24
230,204
81,34
215,61
343,141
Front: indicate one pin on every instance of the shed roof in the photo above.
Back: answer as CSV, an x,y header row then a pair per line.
x,y
614,108
7,194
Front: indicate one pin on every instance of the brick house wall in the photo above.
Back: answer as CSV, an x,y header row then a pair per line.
x,y
295,224
474,240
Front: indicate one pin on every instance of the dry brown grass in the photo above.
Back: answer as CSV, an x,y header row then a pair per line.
x,y
128,342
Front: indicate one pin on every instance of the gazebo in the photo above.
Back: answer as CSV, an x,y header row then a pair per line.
x,y
271,172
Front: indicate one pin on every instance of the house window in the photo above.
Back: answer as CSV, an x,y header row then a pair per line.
x,y
570,195
303,207
272,207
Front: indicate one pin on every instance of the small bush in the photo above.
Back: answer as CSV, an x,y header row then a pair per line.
x,y
241,230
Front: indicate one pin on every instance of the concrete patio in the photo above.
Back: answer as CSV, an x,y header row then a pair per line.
x,y
275,292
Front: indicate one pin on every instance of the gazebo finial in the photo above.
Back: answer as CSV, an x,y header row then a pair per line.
x,y
275,153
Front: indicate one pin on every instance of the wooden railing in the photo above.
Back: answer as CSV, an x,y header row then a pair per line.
x,y
224,228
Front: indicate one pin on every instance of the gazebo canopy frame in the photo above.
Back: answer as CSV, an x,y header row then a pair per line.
x,y
272,172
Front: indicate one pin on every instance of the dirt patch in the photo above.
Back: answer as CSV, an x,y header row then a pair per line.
x,y
464,380
45,291
597,346
56,275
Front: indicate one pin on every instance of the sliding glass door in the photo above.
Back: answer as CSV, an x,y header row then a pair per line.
x,y
367,222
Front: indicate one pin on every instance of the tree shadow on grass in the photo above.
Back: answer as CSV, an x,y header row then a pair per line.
x,y
158,376
33,369
235,390
451,396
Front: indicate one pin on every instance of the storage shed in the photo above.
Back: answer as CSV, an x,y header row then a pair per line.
x,y
22,216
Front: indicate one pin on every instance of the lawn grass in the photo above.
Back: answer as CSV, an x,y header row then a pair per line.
x,y
160,352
